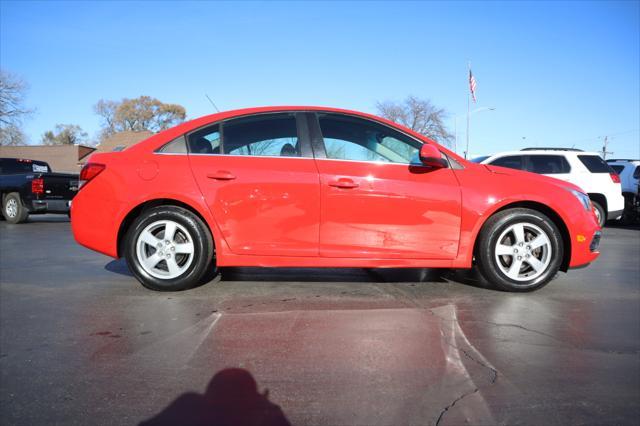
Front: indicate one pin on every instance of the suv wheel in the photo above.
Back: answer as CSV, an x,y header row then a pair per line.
x,y
12,208
601,214
168,248
519,250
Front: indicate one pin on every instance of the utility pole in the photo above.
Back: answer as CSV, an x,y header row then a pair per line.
x,y
604,148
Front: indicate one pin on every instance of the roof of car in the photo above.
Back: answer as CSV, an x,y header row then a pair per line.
x,y
541,151
622,160
550,149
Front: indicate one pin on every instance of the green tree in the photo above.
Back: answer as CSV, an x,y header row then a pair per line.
x,y
139,114
64,134
420,115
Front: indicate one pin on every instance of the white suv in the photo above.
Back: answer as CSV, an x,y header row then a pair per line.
x,y
585,169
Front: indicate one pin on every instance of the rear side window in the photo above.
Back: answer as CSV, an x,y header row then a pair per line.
x,y
176,146
618,169
548,164
512,162
270,136
205,141
595,163
636,173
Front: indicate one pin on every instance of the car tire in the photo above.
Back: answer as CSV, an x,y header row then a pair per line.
x,y
601,213
12,208
512,236
169,263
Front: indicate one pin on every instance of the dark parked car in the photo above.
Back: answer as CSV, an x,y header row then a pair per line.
x,y
29,187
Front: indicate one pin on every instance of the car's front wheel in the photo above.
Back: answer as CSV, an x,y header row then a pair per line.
x,y
168,248
519,250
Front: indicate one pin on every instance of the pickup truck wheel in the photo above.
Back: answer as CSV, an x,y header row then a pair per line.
x,y
519,250
12,208
168,248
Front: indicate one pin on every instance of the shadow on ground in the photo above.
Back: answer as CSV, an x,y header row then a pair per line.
x,y
231,398
383,275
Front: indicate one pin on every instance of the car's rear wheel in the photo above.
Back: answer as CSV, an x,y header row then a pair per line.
x,y
519,250
168,248
601,213
12,208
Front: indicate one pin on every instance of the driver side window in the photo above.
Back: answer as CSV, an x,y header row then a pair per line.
x,y
348,138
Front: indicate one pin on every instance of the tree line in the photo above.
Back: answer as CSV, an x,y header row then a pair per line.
x,y
146,113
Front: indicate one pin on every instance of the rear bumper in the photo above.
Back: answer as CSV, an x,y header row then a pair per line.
x,y
50,206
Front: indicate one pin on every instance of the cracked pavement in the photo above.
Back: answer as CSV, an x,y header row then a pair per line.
x,y
82,342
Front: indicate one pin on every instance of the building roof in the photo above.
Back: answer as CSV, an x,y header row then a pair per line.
x,y
121,140
61,158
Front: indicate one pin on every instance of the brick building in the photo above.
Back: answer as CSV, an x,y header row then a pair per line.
x,y
71,158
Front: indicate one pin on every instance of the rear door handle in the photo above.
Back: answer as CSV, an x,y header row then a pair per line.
x,y
221,175
344,183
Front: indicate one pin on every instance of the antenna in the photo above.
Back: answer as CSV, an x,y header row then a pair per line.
x,y
214,105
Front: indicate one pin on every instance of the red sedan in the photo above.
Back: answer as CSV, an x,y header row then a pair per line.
x,y
323,187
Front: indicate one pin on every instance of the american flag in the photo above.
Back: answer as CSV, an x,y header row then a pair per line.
x,y
472,86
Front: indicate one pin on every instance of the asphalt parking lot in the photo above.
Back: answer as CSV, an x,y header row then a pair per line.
x,y
81,342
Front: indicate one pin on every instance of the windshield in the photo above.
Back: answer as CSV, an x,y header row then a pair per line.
x,y
480,159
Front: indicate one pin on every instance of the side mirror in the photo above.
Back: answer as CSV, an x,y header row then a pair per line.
x,y
431,157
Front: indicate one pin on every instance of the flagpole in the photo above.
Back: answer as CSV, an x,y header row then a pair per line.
x,y
466,151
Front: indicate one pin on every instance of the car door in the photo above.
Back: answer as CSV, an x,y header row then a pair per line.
x,y
377,200
260,182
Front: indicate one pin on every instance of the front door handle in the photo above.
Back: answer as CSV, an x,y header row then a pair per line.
x,y
221,175
344,183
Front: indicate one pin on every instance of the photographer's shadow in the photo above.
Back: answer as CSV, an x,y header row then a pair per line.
x,y
231,398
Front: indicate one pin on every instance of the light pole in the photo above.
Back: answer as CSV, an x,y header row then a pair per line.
x,y
469,114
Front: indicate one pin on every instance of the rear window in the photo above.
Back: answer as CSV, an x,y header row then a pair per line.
x,y
10,166
595,164
512,162
548,164
618,169
636,173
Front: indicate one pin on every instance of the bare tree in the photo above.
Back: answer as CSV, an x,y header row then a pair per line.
x,y
420,115
64,134
12,110
11,135
139,114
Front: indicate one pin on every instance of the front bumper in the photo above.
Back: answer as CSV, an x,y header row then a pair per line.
x,y
585,234
612,215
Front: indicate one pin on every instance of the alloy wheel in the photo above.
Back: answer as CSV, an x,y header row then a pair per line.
x,y
165,249
523,251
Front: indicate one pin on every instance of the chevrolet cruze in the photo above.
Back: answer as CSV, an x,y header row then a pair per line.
x,y
323,187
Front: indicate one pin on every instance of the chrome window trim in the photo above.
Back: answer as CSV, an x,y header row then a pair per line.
x,y
234,155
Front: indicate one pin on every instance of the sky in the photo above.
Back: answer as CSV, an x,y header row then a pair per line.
x,y
557,74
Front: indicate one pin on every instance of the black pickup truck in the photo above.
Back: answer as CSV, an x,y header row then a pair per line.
x,y
29,187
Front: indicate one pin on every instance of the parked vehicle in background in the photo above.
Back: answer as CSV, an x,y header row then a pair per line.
x,y
585,169
629,172
323,187
29,187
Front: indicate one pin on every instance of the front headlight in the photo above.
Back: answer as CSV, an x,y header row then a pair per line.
x,y
583,198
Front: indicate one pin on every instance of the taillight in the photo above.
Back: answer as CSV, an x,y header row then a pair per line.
x,y
89,171
37,186
614,177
